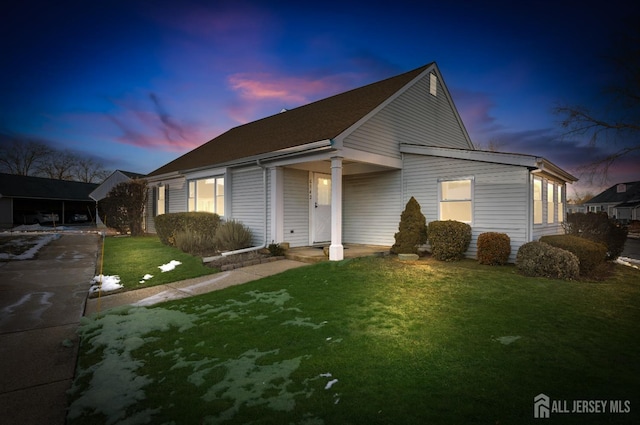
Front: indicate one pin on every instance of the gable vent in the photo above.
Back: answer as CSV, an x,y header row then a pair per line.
x,y
433,84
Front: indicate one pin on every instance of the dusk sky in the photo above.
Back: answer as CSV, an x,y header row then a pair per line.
x,y
138,83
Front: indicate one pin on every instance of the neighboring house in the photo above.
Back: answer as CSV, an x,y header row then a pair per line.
x,y
109,183
21,197
620,201
340,170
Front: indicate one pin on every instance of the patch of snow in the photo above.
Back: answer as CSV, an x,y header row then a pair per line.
x,y
105,284
169,266
506,340
629,262
330,384
145,278
31,252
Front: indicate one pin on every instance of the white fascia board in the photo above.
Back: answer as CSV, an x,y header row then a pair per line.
x,y
521,160
547,167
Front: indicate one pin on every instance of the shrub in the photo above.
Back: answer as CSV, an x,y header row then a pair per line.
x,y
541,259
598,227
123,207
449,239
412,231
232,235
203,223
494,248
276,250
590,254
194,243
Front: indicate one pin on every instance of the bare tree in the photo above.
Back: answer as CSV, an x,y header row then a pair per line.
x,y
88,170
59,165
23,157
617,122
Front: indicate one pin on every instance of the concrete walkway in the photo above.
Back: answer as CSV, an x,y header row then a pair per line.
x,y
188,288
41,303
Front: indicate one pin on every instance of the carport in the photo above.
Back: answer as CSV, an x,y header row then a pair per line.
x,y
21,196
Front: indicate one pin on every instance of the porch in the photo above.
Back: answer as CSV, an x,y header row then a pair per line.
x,y
315,254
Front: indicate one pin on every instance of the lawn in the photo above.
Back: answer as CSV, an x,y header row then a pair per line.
x,y
367,341
132,258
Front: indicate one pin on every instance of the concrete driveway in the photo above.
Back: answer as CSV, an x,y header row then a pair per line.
x,y
41,303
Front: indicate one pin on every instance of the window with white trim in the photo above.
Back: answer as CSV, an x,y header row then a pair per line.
x,y
160,200
560,205
537,201
550,207
207,195
456,200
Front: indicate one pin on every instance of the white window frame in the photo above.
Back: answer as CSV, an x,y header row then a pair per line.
x,y
560,198
471,180
161,206
537,201
218,201
551,198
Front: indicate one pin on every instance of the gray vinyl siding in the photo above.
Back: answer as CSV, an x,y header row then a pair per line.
x,y
248,200
372,204
414,117
500,195
296,207
150,210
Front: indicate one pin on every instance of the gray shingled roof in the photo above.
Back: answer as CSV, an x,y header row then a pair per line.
x,y
28,187
321,120
611,195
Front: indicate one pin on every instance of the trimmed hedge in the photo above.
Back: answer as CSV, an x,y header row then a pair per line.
x,y
449,239
541,259
590,254
598,227
168,225
494,248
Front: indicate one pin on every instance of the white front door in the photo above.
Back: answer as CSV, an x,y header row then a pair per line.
x,y
321,208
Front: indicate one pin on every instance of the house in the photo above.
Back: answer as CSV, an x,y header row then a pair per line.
x,y
114,179
23,196
620,201
340,170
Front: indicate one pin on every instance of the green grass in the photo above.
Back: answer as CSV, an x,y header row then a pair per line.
x,y
409,343
133,257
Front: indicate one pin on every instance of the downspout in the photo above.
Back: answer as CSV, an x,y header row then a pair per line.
x,y
264,244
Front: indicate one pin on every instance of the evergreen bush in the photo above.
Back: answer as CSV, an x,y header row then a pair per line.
x,y
123,207
598,227
543,260
195,243
494,248
232,235
591,255
449,239
412,230
202,223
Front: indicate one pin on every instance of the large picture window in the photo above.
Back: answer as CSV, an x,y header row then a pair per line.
x,y
207,195
550,199
560,205
456,200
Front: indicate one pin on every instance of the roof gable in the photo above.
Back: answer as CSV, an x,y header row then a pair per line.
x,y
613,195
321,120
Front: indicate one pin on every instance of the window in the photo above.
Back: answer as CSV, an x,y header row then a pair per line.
x,y
550,199
560,205
456,200
207,195
537,201
160,201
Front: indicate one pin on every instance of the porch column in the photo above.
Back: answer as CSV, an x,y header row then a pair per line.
x,y
277,204
336,250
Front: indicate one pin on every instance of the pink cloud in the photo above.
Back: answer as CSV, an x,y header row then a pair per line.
x,y
266,92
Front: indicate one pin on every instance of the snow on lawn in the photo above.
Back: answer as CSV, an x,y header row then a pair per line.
x,y
629,262
104,283
169,266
